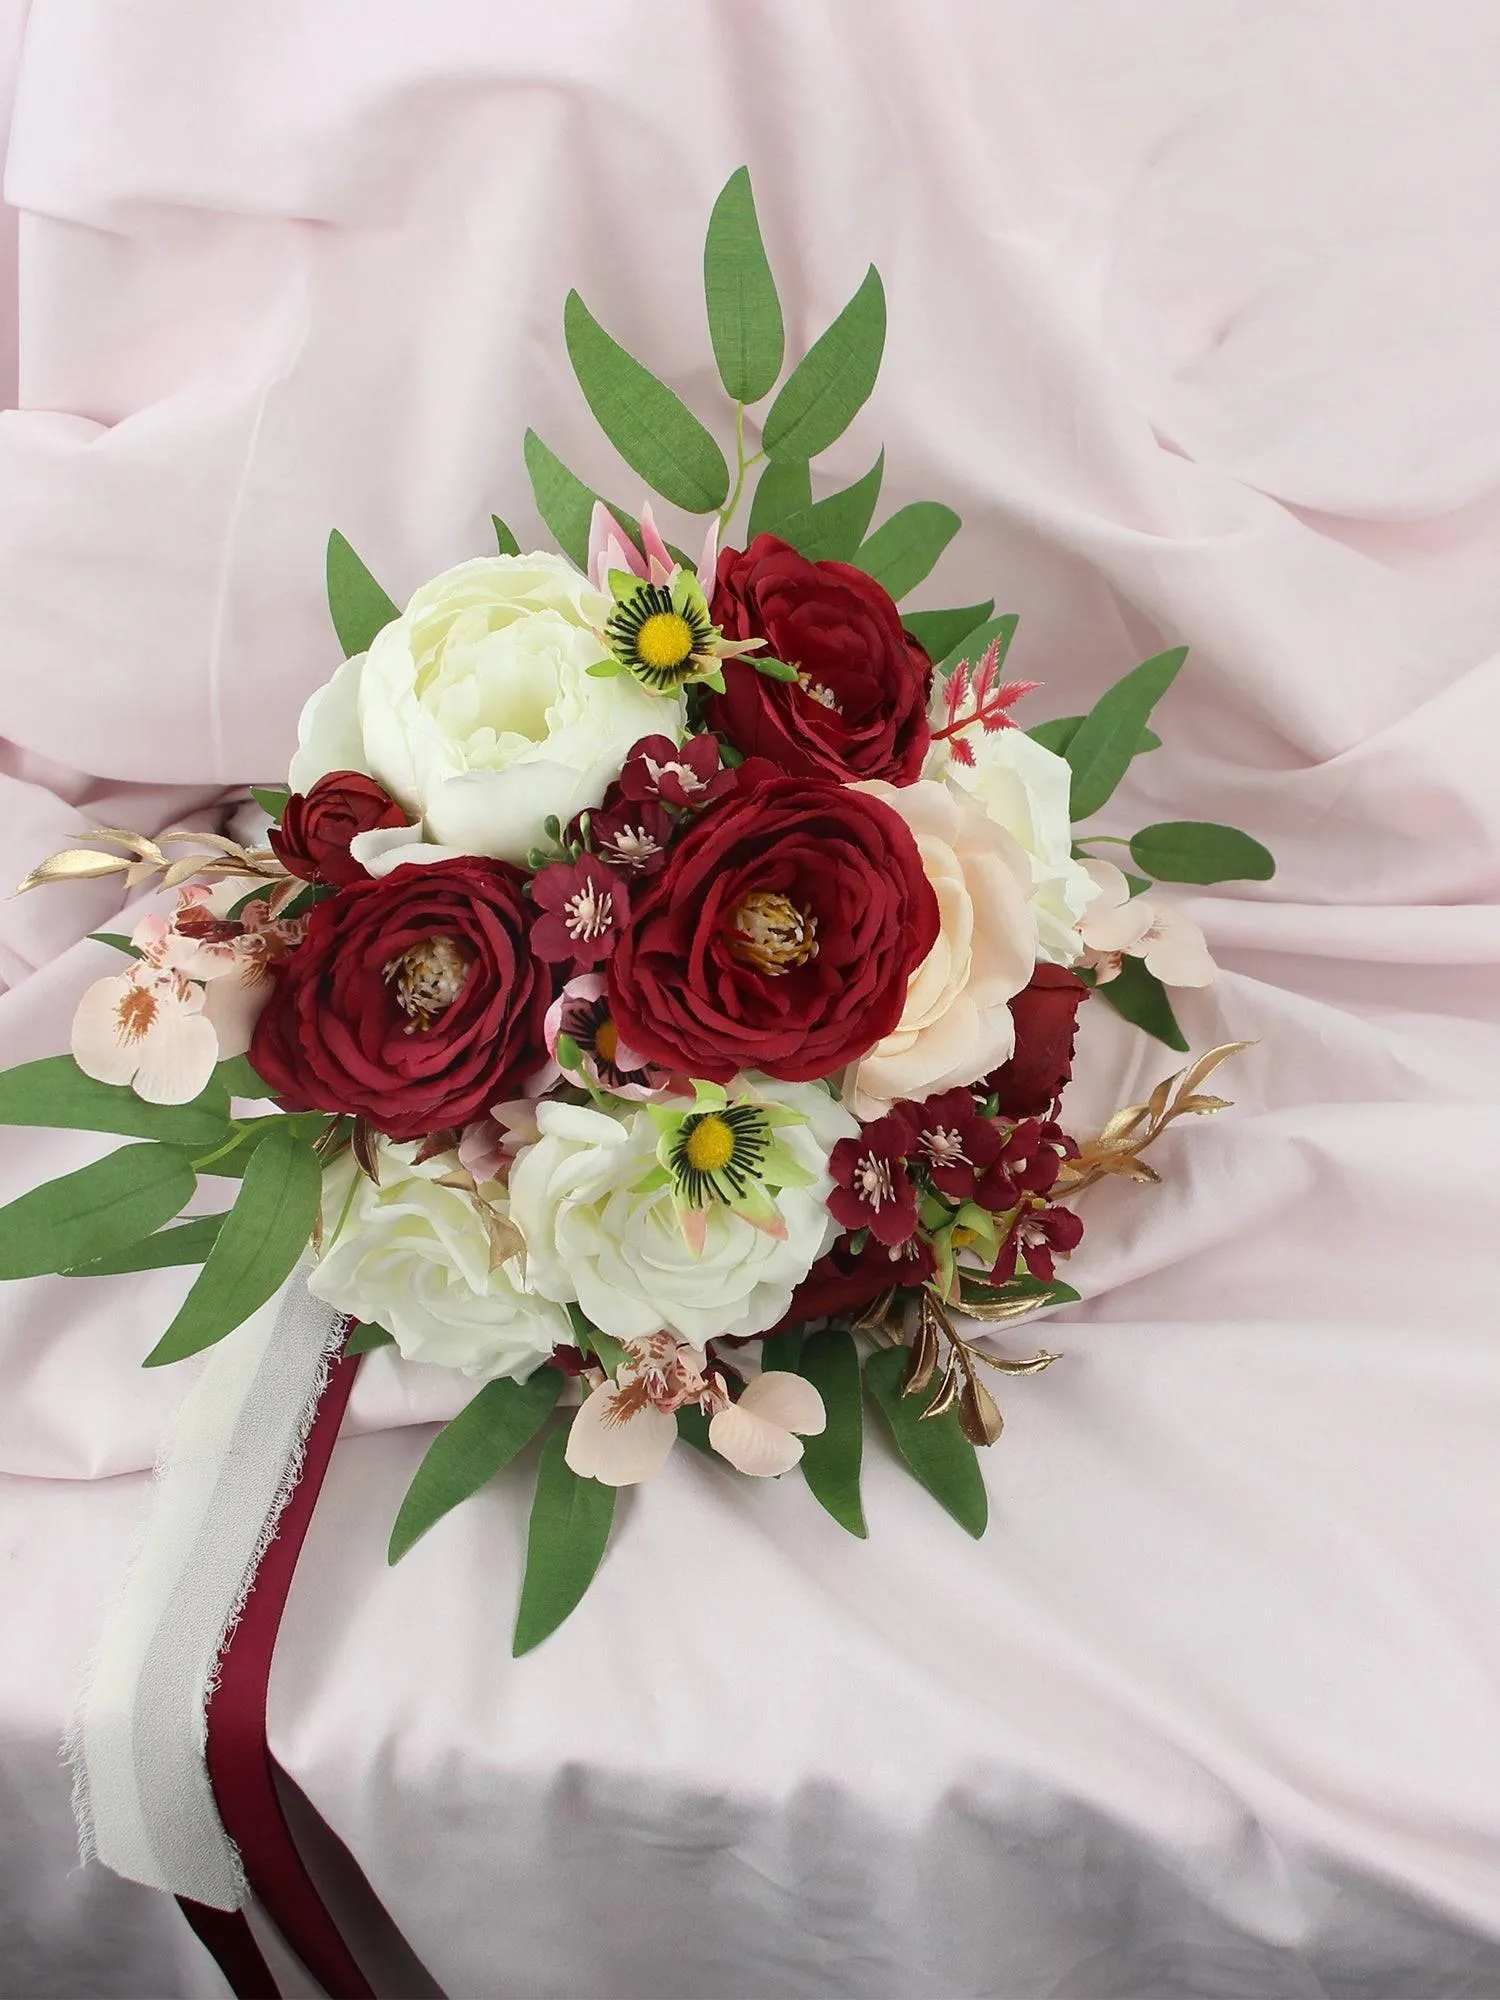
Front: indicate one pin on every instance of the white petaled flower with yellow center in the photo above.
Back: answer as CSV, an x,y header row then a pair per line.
x,y
479,712
697,1216
626,1428
436,1261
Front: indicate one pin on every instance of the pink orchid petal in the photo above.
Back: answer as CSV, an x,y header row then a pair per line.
x,y
609,548
1110,887
751,1444
1178,953
708,562
177,1058
1119,929
233,1004
110,1028
786,1400
618,1454
651,541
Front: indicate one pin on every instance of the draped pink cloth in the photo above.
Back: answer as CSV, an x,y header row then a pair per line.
x,y
1193,316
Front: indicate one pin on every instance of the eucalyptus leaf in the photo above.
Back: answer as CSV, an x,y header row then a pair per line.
x,y
648,424
98,1211
366,1337
271,799
505,541
117,942
903,549
184,1243
565,503
831,1461
938,632
832,382
744,313
356,602
469,1450
570,1523
1141,998
1057,734
1196,850
1108,737
830,530
935,1450
783,490
258,1247
54,1091
238,1077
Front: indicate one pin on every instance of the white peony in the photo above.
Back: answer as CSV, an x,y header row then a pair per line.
x,y
956,1024
415,1258
1025,787
477,712
595,1236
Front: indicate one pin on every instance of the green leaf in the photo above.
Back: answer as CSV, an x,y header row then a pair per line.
x,y
1109,735
467,1452
996,632
830,530
367,1337
783,489
237,1077
782,1350
565,503
1140,996
185,1243
1196,850
692,1427
54,1091
830,1462
570,1523
1060,731
101,1209
505,541
356,602
903,549
832,382
939,632
258,1246
648,424
744,313
271,798
935,1449
117,942
974,1290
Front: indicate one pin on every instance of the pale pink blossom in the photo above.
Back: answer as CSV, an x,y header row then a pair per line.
x,y
146,1027
626,1427
489,1146
1117,924
611,548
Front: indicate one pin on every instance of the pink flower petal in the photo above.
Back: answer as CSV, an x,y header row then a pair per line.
x,y
1177,952
1118,929
651,541
708,561
609,548
233,1004
601,1447
751,1444
178,1056
1110,887
114,1018
786,1400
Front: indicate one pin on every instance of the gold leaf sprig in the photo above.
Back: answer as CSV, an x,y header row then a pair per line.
x,y
938,1341
1118,1148
144,858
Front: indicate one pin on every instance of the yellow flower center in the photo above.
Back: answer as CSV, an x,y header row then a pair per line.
x,y
709,1146
665,640
962,1237
773,934
606,1041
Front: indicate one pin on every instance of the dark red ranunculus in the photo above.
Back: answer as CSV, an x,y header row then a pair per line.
x,y
317,826
1046,1017
846,1281
858,708
779,936
414,1001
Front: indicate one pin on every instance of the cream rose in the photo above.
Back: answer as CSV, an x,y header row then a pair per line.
x,y
957,1022
416,1258
477,712
1025,788
600,1232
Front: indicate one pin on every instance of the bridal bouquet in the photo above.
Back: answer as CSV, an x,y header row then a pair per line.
x,y
655,994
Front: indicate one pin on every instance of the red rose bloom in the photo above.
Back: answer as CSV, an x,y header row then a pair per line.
x,y
859,706
414,1001
317,826
1046,1017
779,936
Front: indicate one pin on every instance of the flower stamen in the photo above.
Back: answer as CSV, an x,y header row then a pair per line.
x,y
773,934
428,978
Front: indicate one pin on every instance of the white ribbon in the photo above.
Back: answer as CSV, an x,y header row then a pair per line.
x,y
231,1460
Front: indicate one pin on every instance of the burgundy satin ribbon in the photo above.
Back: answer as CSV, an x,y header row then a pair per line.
x,y
241,1769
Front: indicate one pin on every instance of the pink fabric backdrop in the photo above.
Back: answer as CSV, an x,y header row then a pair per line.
x,y
1193,314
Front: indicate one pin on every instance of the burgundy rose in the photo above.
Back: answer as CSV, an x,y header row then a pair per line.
x,y
871,1187
858,708
317,826
414,1001
846,1281
1046,1017
780,935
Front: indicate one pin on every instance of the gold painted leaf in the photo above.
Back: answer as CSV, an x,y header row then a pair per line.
x,y
947,1393
1201,1070
978,1413
1201,1103
506,1240
362,1143
74,864
1004,1366
922,1366
994,1311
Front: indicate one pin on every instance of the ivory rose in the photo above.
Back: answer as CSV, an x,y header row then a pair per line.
x,y
956,1023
